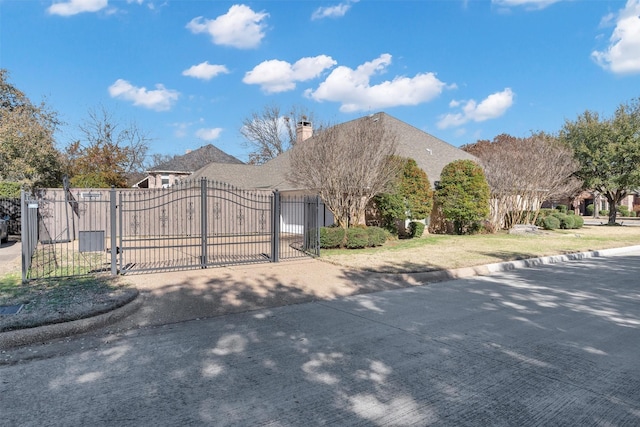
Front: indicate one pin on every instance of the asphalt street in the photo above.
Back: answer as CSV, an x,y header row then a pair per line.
x,y
551,345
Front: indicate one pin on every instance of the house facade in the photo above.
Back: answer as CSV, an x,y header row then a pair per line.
x,y
430,153
171,172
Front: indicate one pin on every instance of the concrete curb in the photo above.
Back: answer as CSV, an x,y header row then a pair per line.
x,y
21,337
487,269
29,336
533,262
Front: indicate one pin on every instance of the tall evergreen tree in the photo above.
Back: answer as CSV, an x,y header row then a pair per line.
x,y
463,194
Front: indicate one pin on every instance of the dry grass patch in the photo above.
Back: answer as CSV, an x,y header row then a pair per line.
x,y
60,300
437,252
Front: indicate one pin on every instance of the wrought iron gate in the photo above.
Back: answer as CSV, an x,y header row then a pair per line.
x,y
195,224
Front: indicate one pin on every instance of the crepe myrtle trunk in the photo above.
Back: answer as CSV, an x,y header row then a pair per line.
x,y
613,198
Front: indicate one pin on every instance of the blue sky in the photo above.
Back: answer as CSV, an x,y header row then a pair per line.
x,y
189,71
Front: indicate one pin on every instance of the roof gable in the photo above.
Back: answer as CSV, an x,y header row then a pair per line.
x,y
196,159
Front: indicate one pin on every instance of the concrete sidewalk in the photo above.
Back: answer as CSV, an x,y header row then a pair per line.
x,y
179,296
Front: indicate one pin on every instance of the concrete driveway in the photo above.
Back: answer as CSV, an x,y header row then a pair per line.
x,y
10,253
551,345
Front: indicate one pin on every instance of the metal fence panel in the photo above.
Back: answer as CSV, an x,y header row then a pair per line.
x,y
193,225
238,225
299,226
58,224
196,224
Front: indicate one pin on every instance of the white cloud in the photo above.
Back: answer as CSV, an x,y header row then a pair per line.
x,y
160,99
622,56
73,7
493,106
209,134
528,4
336,11
279,76
352,88
240,27
205,71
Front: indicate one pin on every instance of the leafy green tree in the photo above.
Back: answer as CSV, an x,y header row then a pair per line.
x,y
391,207
411,197
463,194
28,155
608,151
415,188
10,190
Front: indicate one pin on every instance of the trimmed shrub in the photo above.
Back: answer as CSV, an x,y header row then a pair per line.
x,y
415,229
415,189
632,214
331,237
377,236
357,238
589,209
562,208
578,221
567,222
623,210
551,222
546,212
604,212
543,213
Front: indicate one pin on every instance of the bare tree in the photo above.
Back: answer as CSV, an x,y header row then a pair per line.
x,y
523,173
107,151
157,159
348,165
271,132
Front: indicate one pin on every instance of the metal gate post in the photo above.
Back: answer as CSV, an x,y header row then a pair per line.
x,y
24,235
203,222
114,238
317,226
313,239
306,231
275,227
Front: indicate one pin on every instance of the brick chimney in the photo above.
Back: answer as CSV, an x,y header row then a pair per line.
x,y
304,130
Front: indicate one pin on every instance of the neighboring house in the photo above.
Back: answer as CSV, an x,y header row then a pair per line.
x,y
430,153
179,167
588,197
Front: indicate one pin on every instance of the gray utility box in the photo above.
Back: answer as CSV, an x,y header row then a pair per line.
x,y
91,241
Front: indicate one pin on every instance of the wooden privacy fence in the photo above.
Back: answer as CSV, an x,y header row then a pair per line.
x,y
196,224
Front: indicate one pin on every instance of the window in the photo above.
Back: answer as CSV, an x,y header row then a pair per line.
x,y
165,181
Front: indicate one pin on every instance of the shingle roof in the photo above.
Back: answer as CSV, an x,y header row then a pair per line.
x,y
195,160
430,153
